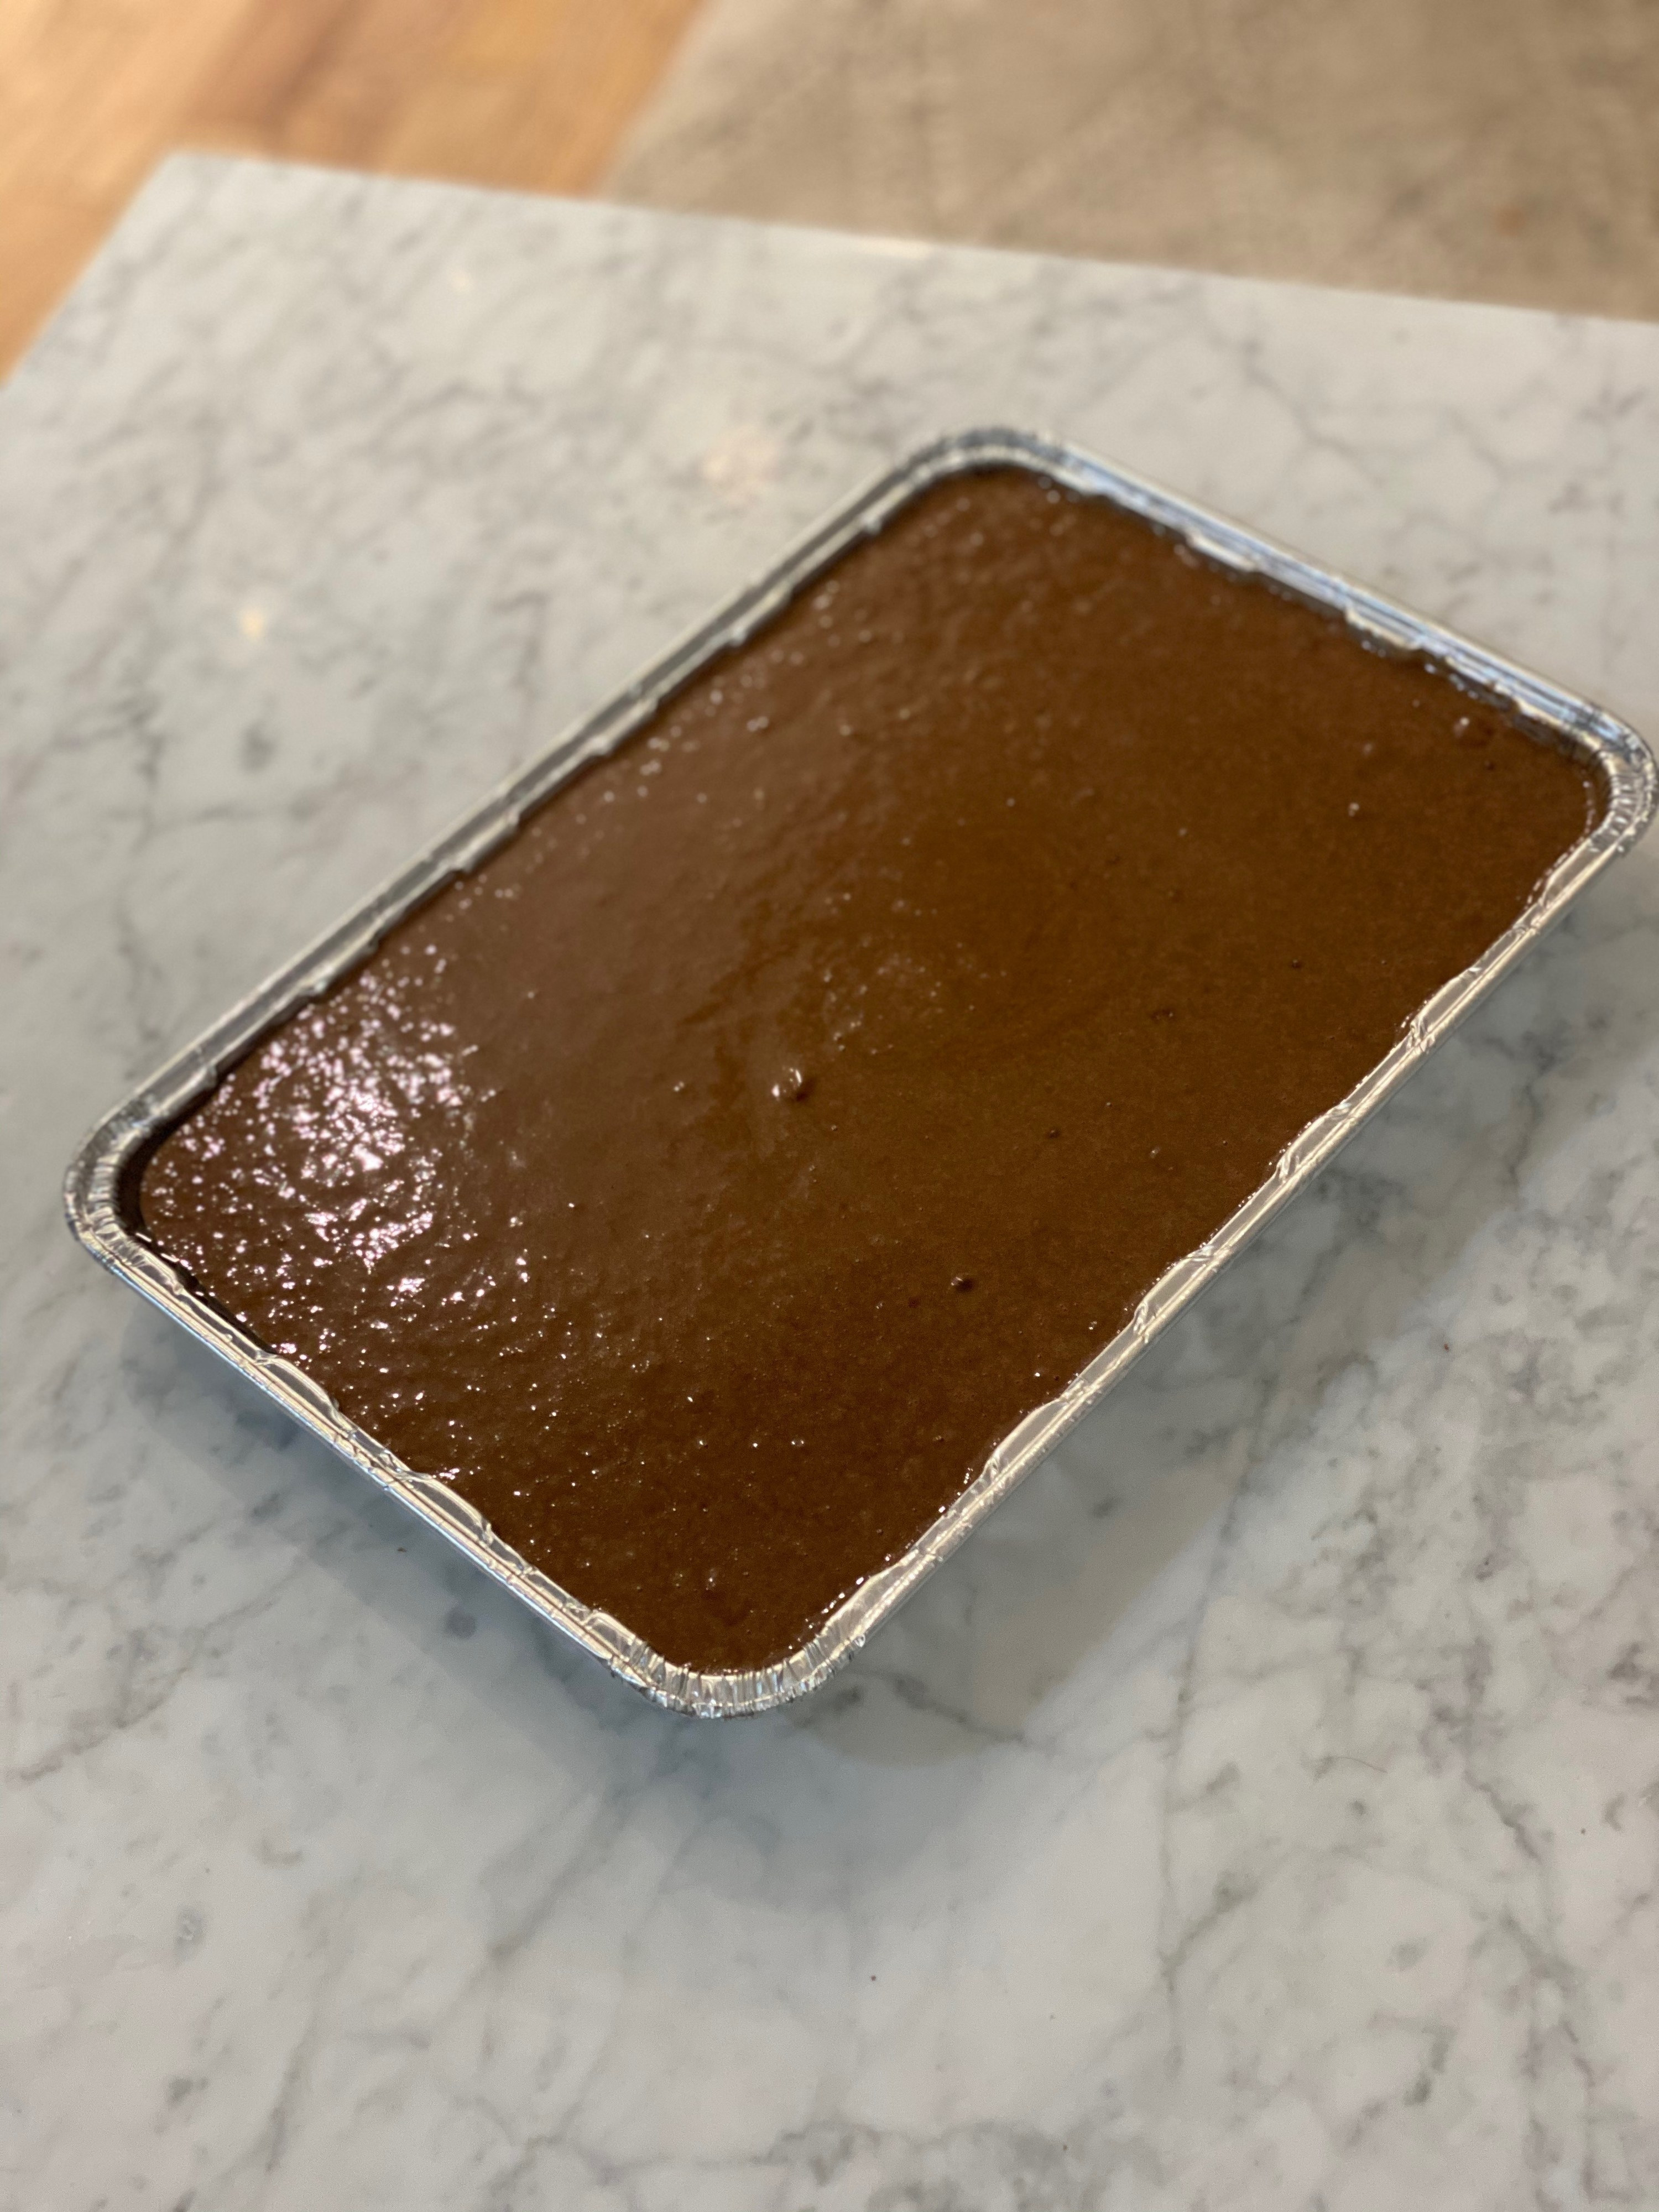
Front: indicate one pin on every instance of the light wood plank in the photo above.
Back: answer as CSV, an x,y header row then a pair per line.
x,y
536,93
324,80
91,91
532,93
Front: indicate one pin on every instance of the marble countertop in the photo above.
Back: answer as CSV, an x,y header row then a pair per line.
x,y
1263,1811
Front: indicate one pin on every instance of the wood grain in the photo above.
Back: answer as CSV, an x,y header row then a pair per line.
x,y
534,94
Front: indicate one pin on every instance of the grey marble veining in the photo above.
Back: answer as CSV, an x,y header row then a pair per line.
x,y
1264,1810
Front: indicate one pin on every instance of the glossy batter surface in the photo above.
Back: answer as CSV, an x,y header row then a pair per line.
x,y
707,1183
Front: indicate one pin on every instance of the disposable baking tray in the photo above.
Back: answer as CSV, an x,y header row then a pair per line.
x,y
101,1189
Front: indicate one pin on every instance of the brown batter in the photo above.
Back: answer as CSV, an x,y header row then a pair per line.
x,y
706,1183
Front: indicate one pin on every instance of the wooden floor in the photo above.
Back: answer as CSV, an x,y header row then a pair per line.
x,y
528,92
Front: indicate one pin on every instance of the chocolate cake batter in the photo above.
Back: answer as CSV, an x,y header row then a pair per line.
x,y
706,1183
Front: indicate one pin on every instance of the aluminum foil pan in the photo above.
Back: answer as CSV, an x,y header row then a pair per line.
x,y
100,1184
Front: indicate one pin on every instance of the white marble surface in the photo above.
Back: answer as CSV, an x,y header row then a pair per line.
x,y
1264,1811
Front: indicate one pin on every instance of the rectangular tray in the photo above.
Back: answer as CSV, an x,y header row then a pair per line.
x,y
100,1182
